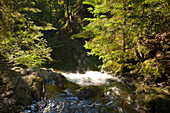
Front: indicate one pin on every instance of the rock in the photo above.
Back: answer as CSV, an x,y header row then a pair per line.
x,y
21,89
22,93
2,89
90,92
153,99
9,93
51,90
72,86
21,86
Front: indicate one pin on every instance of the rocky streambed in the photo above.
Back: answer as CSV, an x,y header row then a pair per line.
x,y
92,92
45,90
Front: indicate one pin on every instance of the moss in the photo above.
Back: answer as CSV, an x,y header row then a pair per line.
x,y
90,92
72,86
153,98
159,103
51,90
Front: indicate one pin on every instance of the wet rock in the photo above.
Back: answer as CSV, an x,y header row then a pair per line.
x,y
90,92
72,86
51,90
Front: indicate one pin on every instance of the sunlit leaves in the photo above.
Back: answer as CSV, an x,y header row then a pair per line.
x,y
21,41
107,28
151,67
34,10
117,24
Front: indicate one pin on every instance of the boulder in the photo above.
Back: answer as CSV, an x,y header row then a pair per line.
x,y
20,89
22,86
89,92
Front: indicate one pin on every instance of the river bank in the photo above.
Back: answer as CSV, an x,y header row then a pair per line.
x,y
23,87
40,88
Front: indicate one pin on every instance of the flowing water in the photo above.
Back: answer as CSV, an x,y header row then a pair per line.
x,y
117,98
89,78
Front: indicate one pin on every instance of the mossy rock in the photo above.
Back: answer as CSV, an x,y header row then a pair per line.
x,y
156,103
72,86
90,92
160,104
51,90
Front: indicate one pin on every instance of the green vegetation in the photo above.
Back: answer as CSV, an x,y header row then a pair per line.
x,y
119,35
20,39
130,37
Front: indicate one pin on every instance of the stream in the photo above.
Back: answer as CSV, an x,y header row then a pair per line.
x,y
118,97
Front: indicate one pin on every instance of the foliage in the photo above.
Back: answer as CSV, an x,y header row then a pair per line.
x,y
115,34
21,41
108,29
117,30
156,62
66,16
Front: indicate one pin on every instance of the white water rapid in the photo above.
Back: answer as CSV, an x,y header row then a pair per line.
x,y
89,78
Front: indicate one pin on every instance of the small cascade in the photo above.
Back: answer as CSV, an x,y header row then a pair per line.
x,y
90,78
